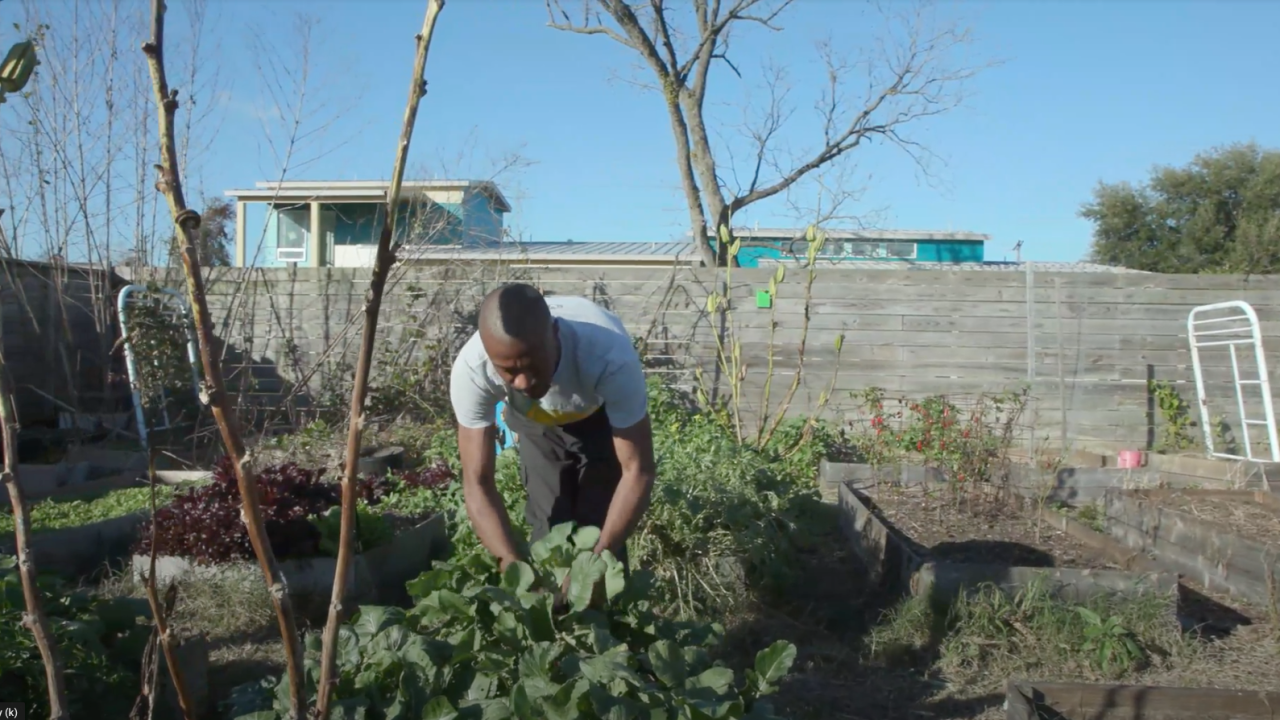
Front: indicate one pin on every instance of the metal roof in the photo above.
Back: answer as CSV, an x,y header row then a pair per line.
x,y
602,251
835,234
374,190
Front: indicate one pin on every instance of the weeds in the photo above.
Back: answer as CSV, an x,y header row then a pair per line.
x,y
988,635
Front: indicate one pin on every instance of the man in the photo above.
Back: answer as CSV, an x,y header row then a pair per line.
x,y
575,396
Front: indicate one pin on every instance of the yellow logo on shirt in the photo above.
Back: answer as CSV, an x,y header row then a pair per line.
x,y
537,414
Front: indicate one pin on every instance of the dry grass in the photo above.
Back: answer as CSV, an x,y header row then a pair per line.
x,y
1244,516
233,610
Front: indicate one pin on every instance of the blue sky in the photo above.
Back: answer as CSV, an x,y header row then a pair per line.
x,y
1086,91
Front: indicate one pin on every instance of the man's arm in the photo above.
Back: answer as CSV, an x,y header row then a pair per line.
x,y
626,400
473,399
484,504
634,446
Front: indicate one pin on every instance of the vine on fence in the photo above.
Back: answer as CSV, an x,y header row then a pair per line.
x,y
1175,414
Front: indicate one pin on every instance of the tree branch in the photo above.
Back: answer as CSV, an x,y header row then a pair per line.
x,y
915,89
34,619
214,390
159,614
384,258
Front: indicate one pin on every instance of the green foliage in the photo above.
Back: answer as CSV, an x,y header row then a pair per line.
x,y
1218,214
100,643
372,528
725,512
1110,646
1175,416
484,644
57,513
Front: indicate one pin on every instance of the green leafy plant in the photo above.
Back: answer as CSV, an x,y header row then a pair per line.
x,y
100,642
488,644
1175,416
372,529
58,513
1108,643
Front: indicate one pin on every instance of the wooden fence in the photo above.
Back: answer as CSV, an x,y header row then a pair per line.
x,y
1086,344
58,333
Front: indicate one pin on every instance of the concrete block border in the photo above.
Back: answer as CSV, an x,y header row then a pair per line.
x,y
77,552
1027,700
376,576
1211,553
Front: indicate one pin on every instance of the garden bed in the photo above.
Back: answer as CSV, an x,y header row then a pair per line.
x,y
1229,541
376,576
914,539
1077,701
74,536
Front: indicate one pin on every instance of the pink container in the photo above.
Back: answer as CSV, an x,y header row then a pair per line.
x,y
1130,458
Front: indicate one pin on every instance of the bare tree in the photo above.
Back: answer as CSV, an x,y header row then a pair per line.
x,y
908,77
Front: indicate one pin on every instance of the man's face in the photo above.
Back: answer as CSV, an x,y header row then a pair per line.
x,y
526,366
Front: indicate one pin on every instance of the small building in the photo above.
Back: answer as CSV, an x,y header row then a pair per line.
x,y
336,224
771,245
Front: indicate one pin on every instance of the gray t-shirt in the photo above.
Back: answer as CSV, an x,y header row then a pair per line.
x,y
598,367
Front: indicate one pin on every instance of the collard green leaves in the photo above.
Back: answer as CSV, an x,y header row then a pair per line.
x,y
485,644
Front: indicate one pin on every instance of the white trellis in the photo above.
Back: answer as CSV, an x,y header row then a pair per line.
x,y
179,306
1240,329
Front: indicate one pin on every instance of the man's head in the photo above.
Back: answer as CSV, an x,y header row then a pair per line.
x,y
520,338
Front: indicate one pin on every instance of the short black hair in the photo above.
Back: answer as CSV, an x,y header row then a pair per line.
x,y
515,311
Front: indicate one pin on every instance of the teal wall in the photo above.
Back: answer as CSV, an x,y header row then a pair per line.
x,y
360,223
483,222
950,251
755,250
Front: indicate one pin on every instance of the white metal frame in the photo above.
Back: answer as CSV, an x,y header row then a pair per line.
x,y
1196,330
173,298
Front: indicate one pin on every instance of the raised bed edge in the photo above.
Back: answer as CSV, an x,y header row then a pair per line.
x,y
1222,561
78,551
377,575
1081,701
893,564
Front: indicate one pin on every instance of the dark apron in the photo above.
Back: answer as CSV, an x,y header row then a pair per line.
x,y
570,472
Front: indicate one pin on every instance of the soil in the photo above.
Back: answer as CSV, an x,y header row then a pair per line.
x,y
1244,516
976,529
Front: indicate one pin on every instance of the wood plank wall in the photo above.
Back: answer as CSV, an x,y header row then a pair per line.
x,y
1086,343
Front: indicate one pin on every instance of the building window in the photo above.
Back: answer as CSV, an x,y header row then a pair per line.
x,y
869,250
292,231
900,250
